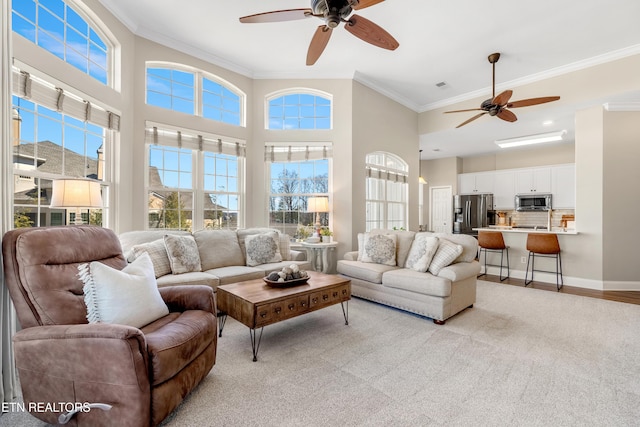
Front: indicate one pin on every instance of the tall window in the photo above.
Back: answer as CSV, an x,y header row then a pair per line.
x,y
295,174
299,110
57,27
190,91
193,182
48,145
387,191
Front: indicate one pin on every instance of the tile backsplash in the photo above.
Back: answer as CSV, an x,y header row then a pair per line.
x,y
536,218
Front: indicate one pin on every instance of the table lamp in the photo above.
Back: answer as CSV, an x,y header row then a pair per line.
x,y
76,193
317,205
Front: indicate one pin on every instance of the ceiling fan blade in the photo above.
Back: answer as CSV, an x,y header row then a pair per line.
x,y
318,43
471,119
370,32
277,16
366,3
532,101
502,98
463,111
507,116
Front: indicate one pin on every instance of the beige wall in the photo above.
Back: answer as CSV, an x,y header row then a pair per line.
x,y
621,197
381,124
522,158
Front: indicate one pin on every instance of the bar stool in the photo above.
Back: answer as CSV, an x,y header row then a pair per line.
x,y
492,241
544,245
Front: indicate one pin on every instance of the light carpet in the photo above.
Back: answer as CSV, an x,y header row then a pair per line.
x,y
520,356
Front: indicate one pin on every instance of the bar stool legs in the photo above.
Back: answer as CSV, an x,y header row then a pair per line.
x,y
544,245
492,241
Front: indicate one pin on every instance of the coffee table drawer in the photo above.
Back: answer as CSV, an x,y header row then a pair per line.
x,y
281,310
329,296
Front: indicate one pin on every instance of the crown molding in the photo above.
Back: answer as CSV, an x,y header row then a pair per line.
x,y
372,84
554,72
112,7
622,106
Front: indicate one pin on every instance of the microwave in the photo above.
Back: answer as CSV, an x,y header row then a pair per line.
x,y
533,202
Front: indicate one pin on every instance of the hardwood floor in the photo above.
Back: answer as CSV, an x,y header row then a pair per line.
x,y
631,297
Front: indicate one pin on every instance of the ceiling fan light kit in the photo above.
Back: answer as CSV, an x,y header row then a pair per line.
x,y
531,139
333,13
499,105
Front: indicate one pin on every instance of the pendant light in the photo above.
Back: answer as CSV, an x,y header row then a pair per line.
x,y
421,180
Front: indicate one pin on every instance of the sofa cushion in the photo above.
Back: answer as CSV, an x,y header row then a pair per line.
x,y
128,297
193,278
244,232
403,243
447,252
262,248
176,340
157,252
469,245
218,248
183,253
233,274
423,249
363,270
379,248
415,281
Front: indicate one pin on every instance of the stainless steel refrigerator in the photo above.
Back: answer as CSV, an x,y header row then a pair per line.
x,y
472,211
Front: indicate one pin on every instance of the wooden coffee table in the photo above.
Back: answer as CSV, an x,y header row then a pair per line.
x,y
256,304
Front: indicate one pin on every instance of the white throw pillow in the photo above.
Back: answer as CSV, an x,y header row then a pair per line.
x,y
129,296
157,252
262,248
183,253
422,250
447,252
379,248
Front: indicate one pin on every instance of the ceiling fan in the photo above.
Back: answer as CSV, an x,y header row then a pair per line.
x,y
498,105
332,12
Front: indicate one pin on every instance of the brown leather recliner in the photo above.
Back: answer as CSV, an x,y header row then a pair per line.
x,y
142,373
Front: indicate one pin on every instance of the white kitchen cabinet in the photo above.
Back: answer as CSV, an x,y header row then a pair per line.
x,y
563,186
470,183
535,180
504,190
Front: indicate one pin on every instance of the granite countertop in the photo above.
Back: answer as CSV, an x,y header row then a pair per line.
x,y
509,229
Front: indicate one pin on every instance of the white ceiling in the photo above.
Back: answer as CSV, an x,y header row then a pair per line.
x,y
439,41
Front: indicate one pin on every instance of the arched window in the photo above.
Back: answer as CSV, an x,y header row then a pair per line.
x,y
387,190
60,29
188,90
299,109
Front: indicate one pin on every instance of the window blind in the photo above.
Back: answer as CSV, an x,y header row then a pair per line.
x,y
188,139
386,175
41,92
297,153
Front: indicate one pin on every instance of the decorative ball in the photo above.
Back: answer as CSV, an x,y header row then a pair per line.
x,y
273,276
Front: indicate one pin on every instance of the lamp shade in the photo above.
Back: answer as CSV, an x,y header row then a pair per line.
x,y
318,204
76,193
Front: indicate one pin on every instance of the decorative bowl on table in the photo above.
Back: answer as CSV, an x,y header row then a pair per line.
x,y
288,276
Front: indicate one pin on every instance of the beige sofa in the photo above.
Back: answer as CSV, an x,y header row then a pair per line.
x,y
222,256
435,296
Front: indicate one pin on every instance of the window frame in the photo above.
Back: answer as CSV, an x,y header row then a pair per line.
x,y
101,31
297,91
198,88
197,189
401,178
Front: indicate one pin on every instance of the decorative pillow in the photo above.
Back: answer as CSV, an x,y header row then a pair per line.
x,y
263,248
422,250
447,252
379,248
285,246
129,296
158,254
183,253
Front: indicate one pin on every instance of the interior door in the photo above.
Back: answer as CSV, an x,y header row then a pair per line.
x,y
441,209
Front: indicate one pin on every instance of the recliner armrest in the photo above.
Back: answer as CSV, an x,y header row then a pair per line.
x,y
189,297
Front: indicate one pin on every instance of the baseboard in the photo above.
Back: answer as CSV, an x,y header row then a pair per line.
x,y
613,285
578,282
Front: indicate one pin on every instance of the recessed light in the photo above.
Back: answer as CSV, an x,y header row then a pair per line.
x,y
547,123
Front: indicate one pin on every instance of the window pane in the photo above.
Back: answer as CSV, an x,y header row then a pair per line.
x,y
77,22
299,111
